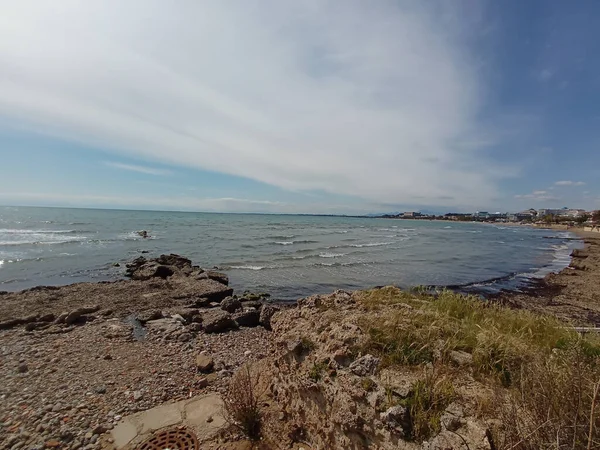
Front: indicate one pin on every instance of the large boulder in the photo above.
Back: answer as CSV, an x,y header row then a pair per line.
x,y
218,321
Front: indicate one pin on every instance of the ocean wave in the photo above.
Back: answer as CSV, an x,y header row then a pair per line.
x,y
330,255
282,236
54,242
302,241
371,244
447,227
248,267
18,231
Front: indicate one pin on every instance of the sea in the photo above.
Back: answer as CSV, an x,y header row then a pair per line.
x,y
288,256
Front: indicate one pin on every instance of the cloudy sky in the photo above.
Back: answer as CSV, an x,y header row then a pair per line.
x,y
300,106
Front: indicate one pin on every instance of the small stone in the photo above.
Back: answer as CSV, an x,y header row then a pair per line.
x,y
100,389
94,439
461,358
194,327
209,419
117,417
99,429
57,407
201,383
107,357
22,368
247,353
365,365
204,363
185,337
137,395
396,418
52,443
88,435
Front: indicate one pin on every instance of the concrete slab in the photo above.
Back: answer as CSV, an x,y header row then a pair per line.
x,y
201,414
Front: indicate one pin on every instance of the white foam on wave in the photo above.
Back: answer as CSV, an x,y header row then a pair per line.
x,y
330,255
63,240
18,231
284,242
1,262
248,267
447,227
370,244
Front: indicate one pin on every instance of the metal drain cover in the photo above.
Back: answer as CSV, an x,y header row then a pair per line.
x,y
174,439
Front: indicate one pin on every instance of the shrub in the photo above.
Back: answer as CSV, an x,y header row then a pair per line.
x,y
242,404
316,372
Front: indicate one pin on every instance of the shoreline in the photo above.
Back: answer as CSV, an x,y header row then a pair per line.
x,y
72,374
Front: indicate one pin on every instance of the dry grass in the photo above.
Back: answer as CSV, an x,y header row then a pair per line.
x,y
428,400
546,374
242,403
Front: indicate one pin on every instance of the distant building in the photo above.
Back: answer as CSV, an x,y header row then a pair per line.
x,y
411,215
482,215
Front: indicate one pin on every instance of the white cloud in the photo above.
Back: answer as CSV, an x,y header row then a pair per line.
x,y
539,196
569,183
137,168
374,101
545,74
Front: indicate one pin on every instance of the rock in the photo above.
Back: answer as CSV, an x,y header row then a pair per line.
x,y
218,321
461,358
99,429
204,363
11,323
100,389
52,443
137,395
194,327
185,337
47,318
201,383
174,260
396,419
216,294
247,353
22,368
166,325
76,314
188,314
365,365
147,316
266,313
116,264
218,276
143,233
452,418
61,318
178,318
249,318
231,304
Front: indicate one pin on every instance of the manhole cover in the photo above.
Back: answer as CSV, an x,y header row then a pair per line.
x,y
175,439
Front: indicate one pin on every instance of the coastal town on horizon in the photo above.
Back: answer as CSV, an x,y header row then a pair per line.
x,y
565,215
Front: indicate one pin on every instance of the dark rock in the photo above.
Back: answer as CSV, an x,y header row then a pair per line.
x,y
231,304
77,314
218,321
185,337
36,326
218,276
365,365
247,318
216,295
266,313
194,327
22,368
47,318
116,264
396,419
100,389
143,233
174,260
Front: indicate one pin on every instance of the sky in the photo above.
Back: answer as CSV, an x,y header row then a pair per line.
x,y
315,106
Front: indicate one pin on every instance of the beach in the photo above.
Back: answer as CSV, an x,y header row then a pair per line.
x,y
77,359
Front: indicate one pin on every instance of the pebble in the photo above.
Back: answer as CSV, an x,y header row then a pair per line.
x,y
22,368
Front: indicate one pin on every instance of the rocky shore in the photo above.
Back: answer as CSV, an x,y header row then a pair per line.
x,y
571,295
77,358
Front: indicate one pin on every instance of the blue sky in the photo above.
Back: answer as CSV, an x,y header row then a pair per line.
x,y
317,106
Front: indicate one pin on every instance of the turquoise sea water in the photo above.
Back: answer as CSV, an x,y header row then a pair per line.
x,y
288,256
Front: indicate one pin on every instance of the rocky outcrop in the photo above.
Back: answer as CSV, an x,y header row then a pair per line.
x,y
218,321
